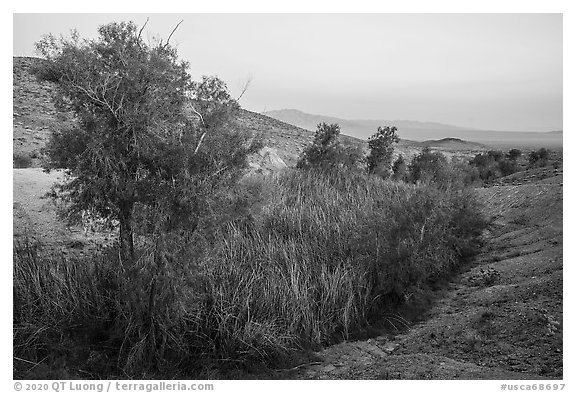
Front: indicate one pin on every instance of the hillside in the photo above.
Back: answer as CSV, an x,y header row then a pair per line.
x,y
423,131
453,144
286,140
35,117
34,114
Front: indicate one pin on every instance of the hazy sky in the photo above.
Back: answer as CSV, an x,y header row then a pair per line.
x,y
487,71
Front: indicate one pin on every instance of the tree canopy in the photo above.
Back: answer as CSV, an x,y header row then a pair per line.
x,y
326,151
147,138
381,147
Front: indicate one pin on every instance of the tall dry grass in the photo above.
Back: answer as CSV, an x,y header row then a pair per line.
x,y
318,256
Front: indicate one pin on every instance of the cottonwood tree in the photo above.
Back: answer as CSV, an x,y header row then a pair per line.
x,y
379,159
327,152
139,149
324,149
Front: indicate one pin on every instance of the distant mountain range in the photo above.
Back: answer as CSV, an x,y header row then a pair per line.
x,y
422,131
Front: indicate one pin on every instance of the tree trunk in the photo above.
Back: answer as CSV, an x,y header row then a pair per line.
x,y
126,234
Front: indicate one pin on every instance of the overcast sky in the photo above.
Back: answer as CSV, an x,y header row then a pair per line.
x,y
486,71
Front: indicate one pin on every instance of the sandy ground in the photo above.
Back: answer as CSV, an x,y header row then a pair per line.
x,y
35,215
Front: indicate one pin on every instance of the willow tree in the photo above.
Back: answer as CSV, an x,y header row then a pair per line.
x,y
142,123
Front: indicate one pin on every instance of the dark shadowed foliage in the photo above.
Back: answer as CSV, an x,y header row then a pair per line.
x,y
539,157
400,169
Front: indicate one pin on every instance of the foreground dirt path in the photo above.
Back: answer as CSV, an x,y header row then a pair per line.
x,y
500,319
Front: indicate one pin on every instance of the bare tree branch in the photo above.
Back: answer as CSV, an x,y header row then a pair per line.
x,y
143,26
245,87
170,36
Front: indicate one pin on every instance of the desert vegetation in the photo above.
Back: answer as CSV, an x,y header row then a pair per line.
x,y
215,268
324,254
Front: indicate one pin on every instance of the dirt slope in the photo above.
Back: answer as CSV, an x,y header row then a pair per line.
x,y
501,318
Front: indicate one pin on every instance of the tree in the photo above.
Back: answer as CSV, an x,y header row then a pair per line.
x,y
138,147
379,159
325,149
497,155
430,167
487,165
539,157
514,154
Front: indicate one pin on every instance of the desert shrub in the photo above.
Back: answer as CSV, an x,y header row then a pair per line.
x,y
508,167
495,164
488,167
539,157
465,174
514,154
430,168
